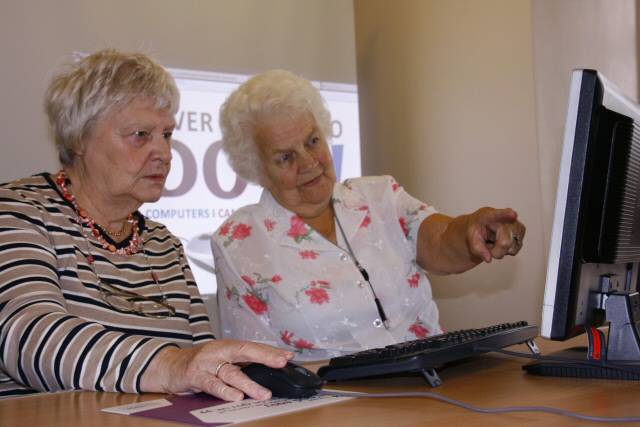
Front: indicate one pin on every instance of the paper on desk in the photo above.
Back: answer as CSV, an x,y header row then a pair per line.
x,y
205,410
249,409
132,408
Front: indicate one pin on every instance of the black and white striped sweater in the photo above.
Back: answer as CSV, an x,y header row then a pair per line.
x,y
56,330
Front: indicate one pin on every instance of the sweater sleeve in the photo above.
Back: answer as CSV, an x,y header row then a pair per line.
x,y
198,316
409,211
42,345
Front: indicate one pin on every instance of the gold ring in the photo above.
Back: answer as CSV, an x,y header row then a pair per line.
x,y
220,365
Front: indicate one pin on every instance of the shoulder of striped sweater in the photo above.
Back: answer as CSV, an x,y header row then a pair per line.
x,y
34,189
38,180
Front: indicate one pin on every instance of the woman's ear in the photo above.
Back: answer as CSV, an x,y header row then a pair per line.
x,y
79,148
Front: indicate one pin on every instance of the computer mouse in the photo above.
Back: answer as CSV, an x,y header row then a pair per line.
x,y
293,381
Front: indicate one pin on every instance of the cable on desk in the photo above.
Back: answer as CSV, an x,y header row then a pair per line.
x,y
508,409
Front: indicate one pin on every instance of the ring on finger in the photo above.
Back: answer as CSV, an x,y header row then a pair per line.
x,y
220,365
515,239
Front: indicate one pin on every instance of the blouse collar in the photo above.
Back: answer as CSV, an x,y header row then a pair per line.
x,y
289,230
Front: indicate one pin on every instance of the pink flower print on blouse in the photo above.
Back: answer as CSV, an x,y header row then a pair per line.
x,y
255,303
234,232
260,280
241,231
405,226
253,298
308,254
317,291
407,221
317,295
248,280
226,227
367,219
395,186
286,336
302,344
418,329
269,224
299,231
414,280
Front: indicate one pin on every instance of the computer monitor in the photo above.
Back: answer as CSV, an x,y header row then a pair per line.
x,y
594,255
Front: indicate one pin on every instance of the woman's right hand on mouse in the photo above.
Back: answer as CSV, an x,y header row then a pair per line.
x,y
210,368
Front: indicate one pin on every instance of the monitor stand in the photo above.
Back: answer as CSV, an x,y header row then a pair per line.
x,y
622,348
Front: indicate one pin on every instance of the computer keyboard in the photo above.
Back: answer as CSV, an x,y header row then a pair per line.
x,y
424,355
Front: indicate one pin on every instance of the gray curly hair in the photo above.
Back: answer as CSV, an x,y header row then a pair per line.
x,y
274,93
90,88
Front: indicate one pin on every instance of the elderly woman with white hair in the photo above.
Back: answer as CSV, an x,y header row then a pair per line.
x,y
93,295
326,268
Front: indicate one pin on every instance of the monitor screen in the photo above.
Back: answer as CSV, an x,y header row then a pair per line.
x,y
595,243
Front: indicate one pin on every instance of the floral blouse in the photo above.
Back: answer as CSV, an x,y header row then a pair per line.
x,y
282,283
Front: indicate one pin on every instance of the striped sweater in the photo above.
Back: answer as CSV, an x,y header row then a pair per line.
x,y
56,330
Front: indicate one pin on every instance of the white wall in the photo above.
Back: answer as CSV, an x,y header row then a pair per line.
x,y
310,37
447,105
570,34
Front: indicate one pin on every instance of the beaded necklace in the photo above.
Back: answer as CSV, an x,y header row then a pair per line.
x,y
116,234
134,242
119,299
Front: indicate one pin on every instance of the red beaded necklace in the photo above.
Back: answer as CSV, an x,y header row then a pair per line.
x,y
134,242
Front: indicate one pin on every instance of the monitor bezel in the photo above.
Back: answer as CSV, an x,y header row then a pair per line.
x,y
570,289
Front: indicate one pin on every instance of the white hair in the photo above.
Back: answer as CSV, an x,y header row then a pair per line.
x,y
274,93
90,88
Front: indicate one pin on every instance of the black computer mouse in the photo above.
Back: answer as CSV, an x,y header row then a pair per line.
x,y
293,381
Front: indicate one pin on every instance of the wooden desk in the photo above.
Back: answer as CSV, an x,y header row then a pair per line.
x,y
489,381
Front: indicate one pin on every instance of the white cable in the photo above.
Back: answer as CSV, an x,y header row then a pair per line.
x,y
474,408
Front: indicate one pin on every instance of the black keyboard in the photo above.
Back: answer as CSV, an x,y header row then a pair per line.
x,y
424,355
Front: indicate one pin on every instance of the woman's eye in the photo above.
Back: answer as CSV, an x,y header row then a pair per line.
x,y
142,134
314,140
167,135
284,158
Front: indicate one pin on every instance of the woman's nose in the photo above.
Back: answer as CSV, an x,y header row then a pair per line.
x,y
308,160
162,148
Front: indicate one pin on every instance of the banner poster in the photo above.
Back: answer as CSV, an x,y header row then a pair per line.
x,y
202,190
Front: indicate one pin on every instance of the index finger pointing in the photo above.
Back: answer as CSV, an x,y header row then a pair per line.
x,y
499,216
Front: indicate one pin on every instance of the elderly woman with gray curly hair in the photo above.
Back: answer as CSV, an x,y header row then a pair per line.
x,y
93,295
325,268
